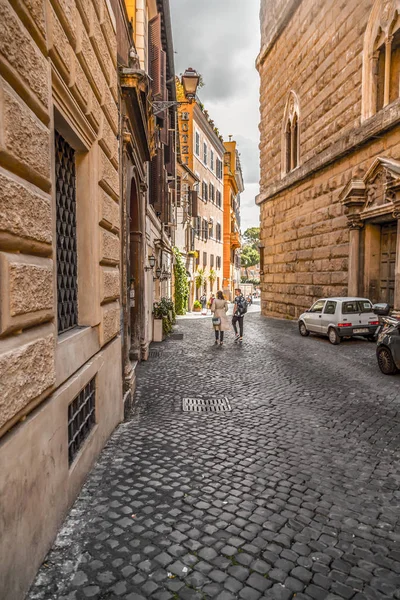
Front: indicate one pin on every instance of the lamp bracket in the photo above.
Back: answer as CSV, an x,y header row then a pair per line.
x,y
160,105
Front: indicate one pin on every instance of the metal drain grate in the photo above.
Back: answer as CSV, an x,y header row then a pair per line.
x,y
206,405
176,336
154,353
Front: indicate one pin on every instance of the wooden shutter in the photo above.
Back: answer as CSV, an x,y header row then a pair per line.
x,y
155,55
156,181
194,203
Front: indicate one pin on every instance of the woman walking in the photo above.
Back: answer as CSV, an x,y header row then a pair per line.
x,y
219,308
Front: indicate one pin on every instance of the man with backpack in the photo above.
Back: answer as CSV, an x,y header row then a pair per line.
x,y
239,310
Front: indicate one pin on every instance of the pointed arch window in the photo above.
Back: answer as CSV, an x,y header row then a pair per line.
x,y
290,135
381,62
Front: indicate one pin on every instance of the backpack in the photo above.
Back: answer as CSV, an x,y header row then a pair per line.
x,y
242,306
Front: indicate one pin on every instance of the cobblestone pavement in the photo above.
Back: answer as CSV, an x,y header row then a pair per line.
x,y
295,493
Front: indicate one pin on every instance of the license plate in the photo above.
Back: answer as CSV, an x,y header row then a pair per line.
x,y
362,330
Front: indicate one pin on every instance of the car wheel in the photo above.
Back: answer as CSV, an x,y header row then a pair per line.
x,y
333,336
303,329
385,361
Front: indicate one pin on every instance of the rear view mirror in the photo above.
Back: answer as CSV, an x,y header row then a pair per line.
x,y
382,309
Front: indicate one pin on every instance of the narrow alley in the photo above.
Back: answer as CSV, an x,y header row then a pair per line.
x,y
294,492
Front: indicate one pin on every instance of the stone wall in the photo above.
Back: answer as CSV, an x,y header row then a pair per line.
x,y
319,55
58,71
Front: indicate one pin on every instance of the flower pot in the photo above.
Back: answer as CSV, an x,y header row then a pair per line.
x,y
197,309
158,330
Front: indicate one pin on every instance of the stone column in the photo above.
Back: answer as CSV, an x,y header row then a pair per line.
x,y
396,214
388,60
355,226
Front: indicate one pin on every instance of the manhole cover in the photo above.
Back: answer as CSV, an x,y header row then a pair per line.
x,y
176,336
206,405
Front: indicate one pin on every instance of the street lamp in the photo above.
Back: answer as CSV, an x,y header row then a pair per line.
x,y
152,262
190,82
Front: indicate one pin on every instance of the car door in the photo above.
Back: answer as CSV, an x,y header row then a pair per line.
x,y
328,315
314,316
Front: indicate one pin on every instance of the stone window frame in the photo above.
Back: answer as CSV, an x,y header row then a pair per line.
x,y
290,135
383,24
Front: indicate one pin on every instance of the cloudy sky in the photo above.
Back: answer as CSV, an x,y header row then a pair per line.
x,y
221,40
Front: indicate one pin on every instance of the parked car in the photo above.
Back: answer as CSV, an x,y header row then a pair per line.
x,y
388,346
340,317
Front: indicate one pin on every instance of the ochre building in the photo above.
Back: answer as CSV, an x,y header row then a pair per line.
x,y
330,152
202,150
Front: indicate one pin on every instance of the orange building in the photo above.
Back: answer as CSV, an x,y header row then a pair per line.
x,y
233,187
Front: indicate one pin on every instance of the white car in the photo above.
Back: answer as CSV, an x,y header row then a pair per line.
x,y
340,317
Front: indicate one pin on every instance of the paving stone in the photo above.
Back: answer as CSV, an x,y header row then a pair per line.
x,y
249,593
238,572
233,585
258,582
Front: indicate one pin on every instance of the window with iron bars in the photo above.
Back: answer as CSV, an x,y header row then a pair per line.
x,y
66,240
81,418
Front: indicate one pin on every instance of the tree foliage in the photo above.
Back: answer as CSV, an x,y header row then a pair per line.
x,y
181,284
251,237
200,278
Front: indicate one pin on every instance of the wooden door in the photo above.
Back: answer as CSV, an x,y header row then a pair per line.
x,y
388,262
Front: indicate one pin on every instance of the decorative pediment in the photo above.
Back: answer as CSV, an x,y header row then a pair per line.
x,y
375,192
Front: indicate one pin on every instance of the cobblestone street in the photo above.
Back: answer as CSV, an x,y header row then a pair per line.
x,y
293,493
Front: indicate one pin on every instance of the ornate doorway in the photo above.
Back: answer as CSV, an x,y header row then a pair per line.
x,y
387,262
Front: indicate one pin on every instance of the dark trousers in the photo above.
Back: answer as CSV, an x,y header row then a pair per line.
x,y
219,335
237,319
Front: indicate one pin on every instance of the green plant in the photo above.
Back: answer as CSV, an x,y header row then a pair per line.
x,y
196,304
212,276
181,283
166,325
200,278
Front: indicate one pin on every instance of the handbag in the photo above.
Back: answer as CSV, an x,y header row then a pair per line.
x,y
216,321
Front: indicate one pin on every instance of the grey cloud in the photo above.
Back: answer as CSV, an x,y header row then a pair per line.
x,y
249,158
216,37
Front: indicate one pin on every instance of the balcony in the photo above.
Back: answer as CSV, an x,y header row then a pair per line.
x,y
235,240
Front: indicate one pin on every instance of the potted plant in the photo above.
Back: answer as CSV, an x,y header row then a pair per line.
x,y
196,306
200,278
158,322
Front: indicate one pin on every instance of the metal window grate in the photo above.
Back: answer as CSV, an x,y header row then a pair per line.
x,y
67,278
81,418
206,405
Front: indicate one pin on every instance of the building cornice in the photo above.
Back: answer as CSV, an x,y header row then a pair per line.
x,y
276,30
201,119
371,129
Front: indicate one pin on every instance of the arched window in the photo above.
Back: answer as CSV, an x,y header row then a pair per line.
x,y
381,57
290,135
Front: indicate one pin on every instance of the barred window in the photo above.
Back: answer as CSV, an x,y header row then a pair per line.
x,y
66,240
81,418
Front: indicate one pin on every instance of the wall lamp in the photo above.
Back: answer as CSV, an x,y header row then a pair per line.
x,y
152,262
190,82
158,273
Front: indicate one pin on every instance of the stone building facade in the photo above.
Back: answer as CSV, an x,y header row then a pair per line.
x,y
233,187
202,150
146,68
330,152
60,345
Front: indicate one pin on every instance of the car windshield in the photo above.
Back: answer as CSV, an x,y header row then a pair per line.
x,y
356,306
